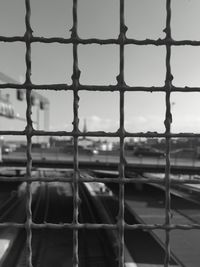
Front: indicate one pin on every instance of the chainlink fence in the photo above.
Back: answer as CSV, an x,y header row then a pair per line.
x,y
121,87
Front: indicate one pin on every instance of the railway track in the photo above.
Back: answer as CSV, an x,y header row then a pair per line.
x,y
140,246
147,205
53,203
183,202
94,250
17,237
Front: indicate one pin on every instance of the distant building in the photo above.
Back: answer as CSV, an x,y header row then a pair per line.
x,y
152,141
60,142
129,146
6,108
106,146
85,142
63,142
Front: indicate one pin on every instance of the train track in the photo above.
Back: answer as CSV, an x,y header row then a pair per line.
x,y
94,251
183,201
53,203
17,237
140,246
52,247
147,204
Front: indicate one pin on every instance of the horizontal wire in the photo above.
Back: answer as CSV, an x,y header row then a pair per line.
x,y
101,88
110,41
105,179
102,134
95,226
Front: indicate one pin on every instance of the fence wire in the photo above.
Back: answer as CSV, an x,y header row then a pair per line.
x,y
120,87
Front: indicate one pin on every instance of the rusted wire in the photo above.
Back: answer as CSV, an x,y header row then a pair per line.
x,y
133,180
120,80
101,88
75,81
93,226
28,131
102,134
168,121
78,40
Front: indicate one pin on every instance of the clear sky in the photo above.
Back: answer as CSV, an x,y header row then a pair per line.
x,y
52,63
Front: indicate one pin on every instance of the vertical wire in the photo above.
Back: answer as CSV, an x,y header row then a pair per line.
x,y
75,80
120,79
168,121
29,129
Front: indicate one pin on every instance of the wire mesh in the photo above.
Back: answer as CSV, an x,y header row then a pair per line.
x,y
120,87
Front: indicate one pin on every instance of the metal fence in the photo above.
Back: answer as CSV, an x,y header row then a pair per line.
x,y
121,87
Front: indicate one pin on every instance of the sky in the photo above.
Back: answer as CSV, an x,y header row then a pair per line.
x,y
99,65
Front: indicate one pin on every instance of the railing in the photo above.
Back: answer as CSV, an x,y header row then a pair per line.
x,y
104,161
